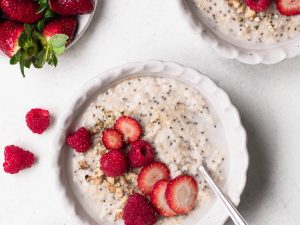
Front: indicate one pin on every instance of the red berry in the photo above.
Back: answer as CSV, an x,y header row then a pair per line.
x,y
112,139
140,154
181,194
158,198
10,33
129,127
23,11
113,163
80,140
17,159
72,7
139,211
38,120
61,25
150,174
258,5
288,7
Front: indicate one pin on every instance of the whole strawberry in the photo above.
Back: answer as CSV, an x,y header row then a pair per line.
x,y
61,25
38,120
23,11
10,33
17,159
72,7
80,140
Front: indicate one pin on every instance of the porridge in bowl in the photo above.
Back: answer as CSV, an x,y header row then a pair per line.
x,y
148,137
252,21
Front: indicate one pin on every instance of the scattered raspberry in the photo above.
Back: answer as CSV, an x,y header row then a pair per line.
x,y
139,211
80,140
258,5
129,128
112,139
113,163
140,154
150,174
17,159
38,120
181,194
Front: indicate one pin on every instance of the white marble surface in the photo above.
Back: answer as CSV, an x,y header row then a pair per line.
x,y
268,98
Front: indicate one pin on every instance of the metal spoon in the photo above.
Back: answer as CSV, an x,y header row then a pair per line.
x,y
231,209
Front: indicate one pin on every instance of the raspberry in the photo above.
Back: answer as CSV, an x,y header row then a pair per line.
x,y
258,5
38,120
140,154
113,163
80,140
139,211
17,159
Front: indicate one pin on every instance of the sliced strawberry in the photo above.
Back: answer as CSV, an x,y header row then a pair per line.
x,y
10,33
288,7
112,139
129,127
181,194
150,174
23,11
159,200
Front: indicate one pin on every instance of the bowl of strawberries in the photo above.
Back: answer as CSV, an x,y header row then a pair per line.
x,y
35,33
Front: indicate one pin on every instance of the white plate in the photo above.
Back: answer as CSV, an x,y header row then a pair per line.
x,y
229,49
83,23
229,118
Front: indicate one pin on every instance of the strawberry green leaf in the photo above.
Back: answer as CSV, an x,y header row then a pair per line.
x,y
59,50
16,58
58,40
40,25
49,14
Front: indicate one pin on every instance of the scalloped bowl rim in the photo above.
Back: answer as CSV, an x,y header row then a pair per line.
x,y
266,55
237,174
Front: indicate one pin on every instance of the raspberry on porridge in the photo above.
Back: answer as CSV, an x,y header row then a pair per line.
x,y
173,121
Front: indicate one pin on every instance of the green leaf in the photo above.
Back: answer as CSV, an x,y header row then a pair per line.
x,y
59,50
58,40
16,58
28,29
40,25
55,60
40,59
49,14
42,8
22,65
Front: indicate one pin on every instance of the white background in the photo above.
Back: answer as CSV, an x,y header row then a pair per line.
x,y
268,98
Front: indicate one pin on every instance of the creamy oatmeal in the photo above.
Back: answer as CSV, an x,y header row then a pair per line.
x,y
234,19
176,120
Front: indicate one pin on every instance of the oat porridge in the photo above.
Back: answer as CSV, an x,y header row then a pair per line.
x,y
239,22
174,119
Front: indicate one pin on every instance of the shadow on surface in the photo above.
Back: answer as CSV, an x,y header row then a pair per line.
x,y
258,175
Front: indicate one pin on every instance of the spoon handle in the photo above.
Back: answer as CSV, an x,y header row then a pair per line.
x,y
234,214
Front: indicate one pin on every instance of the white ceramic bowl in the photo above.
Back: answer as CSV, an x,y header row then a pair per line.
x,y
235,135
83,23
244,53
